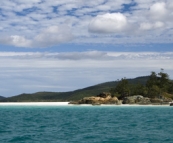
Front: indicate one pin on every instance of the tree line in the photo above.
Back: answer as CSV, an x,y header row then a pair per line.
x,y
158,84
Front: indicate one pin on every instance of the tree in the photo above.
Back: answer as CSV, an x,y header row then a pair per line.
x,y
154,91
153,80
170,87
138,89
122,88
163,81
159,83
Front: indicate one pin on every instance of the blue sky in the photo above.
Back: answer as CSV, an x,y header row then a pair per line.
x,y
53,45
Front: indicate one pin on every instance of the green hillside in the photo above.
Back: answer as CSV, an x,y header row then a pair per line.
x,y
1,97
72,95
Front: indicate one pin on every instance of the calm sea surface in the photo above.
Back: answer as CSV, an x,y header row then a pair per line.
x,y
86,124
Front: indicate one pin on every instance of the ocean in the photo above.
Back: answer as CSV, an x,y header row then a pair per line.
x,y
86,124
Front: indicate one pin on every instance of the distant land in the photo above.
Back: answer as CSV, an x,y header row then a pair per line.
x,y
1,97
71,95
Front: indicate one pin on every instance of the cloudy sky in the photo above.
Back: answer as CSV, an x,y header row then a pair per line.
x,y
63,45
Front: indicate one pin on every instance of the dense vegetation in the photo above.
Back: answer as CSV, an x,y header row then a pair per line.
x,y
157,85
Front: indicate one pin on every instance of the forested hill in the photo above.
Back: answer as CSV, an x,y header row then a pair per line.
x,y
72,95
1,97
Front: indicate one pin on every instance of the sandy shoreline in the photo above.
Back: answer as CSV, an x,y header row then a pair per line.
x,y
62,104
34,103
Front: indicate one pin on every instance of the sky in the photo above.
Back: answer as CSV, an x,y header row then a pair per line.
x,y
55,45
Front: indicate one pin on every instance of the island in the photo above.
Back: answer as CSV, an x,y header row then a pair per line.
x,y
157,90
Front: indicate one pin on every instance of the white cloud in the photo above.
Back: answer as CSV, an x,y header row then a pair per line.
x,y
77,59
158,11
49,37
53,36
15,40
155,21
28,1
146,26
108,23
30,19
158,24
149,26
20,41
170,5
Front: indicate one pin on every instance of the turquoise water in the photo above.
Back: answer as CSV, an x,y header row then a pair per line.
x,y
86,124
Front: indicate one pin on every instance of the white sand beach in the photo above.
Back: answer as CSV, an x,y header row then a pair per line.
x,y
34,103
66,104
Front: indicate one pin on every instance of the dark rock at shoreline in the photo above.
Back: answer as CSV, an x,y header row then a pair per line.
x,y
167,99
162,100
136,99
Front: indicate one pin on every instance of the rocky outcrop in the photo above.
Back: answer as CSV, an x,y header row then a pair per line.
x,y
161,100
106,98
136,99
103,98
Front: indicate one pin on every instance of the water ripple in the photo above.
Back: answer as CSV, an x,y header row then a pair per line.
x,y
86,124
